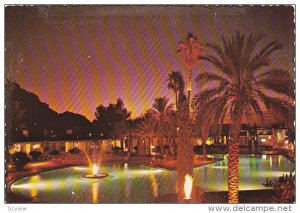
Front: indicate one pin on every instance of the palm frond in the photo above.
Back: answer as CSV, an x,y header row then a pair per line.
x,y
203,78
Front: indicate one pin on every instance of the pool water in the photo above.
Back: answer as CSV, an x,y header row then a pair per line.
x,y
131,183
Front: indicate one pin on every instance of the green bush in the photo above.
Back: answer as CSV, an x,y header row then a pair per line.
x,y
35,155
20,159
54,152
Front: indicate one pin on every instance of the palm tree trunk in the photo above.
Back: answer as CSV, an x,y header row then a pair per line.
x,y
161,147
189,87
185,164
176,100
149,139
204,148
233,162
139,147
174,145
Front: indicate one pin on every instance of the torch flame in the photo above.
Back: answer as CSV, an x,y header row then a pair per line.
x,y
95,169
188,186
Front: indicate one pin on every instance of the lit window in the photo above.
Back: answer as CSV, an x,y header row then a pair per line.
x,y
36,146
28,147
69,131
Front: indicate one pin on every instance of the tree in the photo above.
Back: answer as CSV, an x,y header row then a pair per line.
x,y
161,110
191,50
244,85
20,159
185,160
204,128
176,83
14,116
146,129
108,118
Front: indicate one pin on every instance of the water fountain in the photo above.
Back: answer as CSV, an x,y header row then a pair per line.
x,y
95,168
96,173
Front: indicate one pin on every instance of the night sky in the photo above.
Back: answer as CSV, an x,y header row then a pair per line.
x,y
76,58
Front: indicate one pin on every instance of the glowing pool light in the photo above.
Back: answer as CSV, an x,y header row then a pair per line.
x,y
188,186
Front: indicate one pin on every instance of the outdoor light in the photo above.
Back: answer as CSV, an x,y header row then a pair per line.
x,y
188,186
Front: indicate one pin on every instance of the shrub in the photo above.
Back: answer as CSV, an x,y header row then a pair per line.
x,y
198,149
74,151
20,159
35,155
284,189
116,150
54,152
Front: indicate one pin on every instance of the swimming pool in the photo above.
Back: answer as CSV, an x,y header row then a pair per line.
x,y
130,183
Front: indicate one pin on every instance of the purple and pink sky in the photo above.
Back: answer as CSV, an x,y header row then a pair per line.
x,y
78,57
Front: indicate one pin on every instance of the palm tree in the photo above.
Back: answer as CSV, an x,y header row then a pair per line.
x,y
185,155
161,109
191,50
204,128
176,83
146,129
244,85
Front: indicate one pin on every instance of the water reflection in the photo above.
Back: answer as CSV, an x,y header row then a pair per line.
x,y
33,181
154,185
95,191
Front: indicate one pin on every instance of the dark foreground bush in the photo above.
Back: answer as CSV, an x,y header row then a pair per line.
x,y
54,152
20,159
74,151
116,150
284,189
35,155
198,149
136,148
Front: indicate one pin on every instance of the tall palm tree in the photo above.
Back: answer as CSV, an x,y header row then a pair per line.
x,y
185,155
176,83
162,110
244,85
191,50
